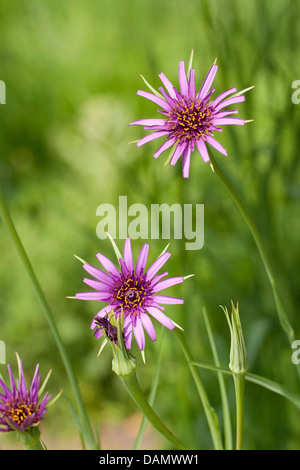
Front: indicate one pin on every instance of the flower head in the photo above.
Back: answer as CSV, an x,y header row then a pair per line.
x,y
189,118
20,408
132,292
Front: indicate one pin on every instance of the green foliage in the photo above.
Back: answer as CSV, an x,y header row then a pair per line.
x,y
71,71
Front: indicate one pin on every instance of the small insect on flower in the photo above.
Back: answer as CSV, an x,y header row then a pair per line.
x,y
21,408
132,292
189,118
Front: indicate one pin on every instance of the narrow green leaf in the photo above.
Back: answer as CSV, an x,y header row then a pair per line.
x,y
152,89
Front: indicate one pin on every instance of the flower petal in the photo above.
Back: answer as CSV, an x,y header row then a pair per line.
x,y
128,255
229,101
139,334
177,153
164,147
153,136
156,99
142,259
98,274
222,96
214,143
225,121
148,325
186,158
202,150
155,267
208,82
192,85
167,283
161,317
148,122
108,265
102,296
168,85
165,299
183,83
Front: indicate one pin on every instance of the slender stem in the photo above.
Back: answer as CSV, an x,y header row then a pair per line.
x,y
132,386
283,318
209,411
86,428
239,385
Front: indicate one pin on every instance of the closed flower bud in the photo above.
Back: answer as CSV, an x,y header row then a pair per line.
x,y
238,363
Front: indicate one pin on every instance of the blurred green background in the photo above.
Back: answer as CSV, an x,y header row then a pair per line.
x,y
71,71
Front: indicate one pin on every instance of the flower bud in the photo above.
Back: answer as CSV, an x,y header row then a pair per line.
x,y
238,363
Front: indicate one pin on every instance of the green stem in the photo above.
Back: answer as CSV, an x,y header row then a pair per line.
x,y
36,446
239,385
132,386
40,295
209,411
282,315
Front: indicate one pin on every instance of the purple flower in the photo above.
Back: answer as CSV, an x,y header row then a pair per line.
x,y
189,118
20,408
133,292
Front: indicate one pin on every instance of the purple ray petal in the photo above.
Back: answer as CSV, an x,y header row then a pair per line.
x,y
142,259
208,82
222,96
164,147
155,267
183,83
128,255
202,150
214,143
167,283
98,274
165,299
148,325
153,136
161,317
225,121
139,334
127,331
168,85
93,296
156,99
229,101
148,122
192,85
186,158
108,265
97,285
177,153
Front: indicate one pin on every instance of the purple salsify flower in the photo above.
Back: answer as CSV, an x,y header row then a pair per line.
x,y
190,118
133,292
20,408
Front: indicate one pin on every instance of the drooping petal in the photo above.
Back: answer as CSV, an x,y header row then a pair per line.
x,y
164,147
186,158
214,143
161,317
148,325
139,334
177,153
202,150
